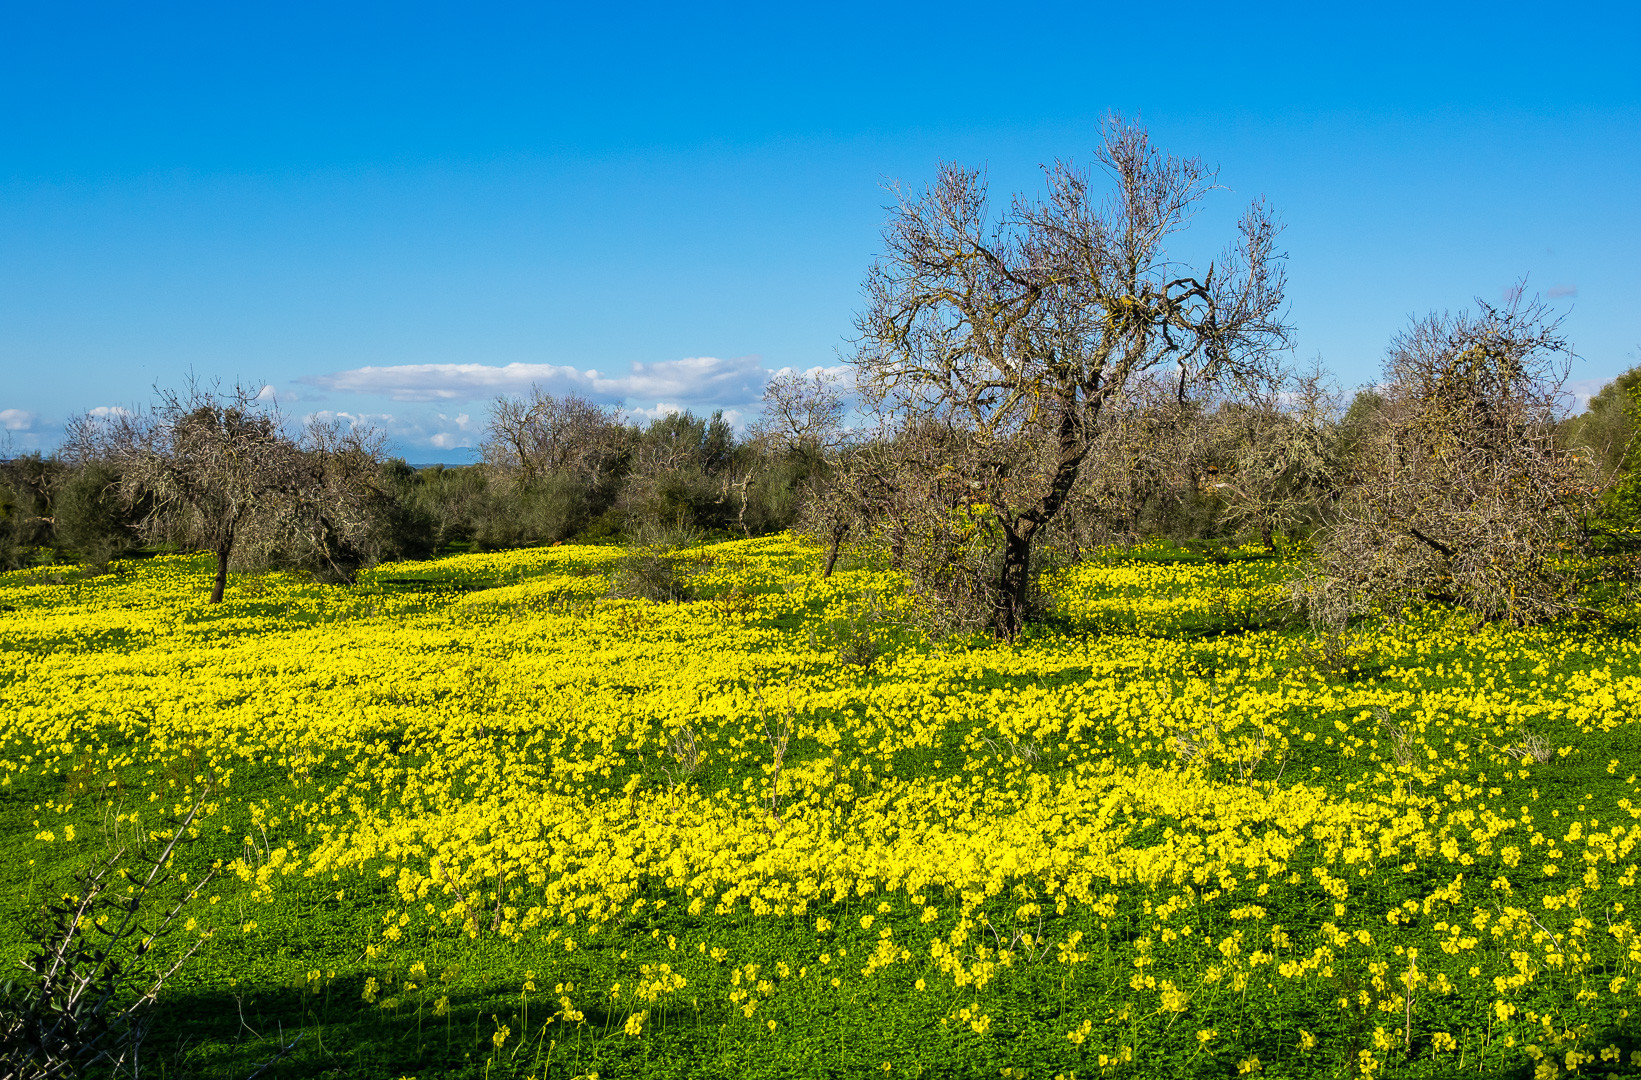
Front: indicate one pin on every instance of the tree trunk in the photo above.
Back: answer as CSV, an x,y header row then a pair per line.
x,y
1010,613
221,582
741,517
1265,535
838,533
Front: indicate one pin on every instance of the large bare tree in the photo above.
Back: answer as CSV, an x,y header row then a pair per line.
x,y
1012,330
205,463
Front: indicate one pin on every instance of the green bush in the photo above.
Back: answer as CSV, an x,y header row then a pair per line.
x,y
25,508
90,518
1606,433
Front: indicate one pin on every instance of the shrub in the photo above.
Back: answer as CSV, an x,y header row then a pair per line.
x,y
654,569
1463,493
90,518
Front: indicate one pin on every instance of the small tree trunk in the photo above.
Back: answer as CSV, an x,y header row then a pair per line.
x,y
741,517
838,533
1265,535
221,582
1010,611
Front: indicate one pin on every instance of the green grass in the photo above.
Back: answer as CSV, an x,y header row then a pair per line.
x,y
303,971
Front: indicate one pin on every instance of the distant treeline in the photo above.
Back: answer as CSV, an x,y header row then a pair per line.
x,y
584,474
561,469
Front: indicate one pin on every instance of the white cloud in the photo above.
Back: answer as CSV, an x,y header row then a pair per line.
x,y
838,372
1581,391
442,431
661,409
461,430
17,419
735,418
385,421
693,379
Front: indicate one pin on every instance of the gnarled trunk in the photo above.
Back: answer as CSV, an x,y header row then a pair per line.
x,y
221,582
838,533
1013,586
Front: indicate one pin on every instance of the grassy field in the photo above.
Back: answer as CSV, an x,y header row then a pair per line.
x,y
489,823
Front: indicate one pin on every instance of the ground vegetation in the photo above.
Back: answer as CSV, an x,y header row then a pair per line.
x,y
479,817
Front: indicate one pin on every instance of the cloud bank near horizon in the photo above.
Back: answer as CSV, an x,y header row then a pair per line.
x,y
646,392
694,380
442,408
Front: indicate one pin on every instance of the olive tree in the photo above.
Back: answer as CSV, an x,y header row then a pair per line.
x,y
26,506
541,433
1605,437
1011,329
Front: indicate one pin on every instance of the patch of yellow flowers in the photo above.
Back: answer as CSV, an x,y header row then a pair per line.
x,y
531,761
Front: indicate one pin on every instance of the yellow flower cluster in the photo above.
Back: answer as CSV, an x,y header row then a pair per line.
x,y
524,760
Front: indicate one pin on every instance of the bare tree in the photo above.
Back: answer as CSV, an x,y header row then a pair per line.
x,y
848,501
803,411
335,505
802,422
204,462
542,433
1013,331
1463,492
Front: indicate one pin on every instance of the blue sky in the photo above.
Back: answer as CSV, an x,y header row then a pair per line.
x,y
399,211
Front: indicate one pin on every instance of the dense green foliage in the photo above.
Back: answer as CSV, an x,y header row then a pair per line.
x,y
1607,431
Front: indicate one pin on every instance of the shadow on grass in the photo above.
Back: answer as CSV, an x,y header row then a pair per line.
x,y
291,1033
333,1032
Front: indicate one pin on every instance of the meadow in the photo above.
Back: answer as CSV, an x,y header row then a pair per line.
x,y
473,817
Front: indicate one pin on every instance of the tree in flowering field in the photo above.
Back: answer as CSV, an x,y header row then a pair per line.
x,y
207,461
1008,332
215,470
